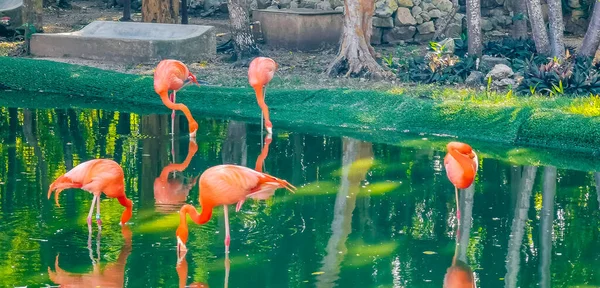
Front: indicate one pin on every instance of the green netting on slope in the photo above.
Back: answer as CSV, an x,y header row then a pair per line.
x,y
368,111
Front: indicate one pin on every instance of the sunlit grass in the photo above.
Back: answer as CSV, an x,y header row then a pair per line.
x,y
589,106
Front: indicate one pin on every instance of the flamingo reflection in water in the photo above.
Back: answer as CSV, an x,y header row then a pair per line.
x,y
261,192
113,274
169,192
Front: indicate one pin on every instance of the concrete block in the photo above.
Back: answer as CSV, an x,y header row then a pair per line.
x,y
129,42
13,10
300,29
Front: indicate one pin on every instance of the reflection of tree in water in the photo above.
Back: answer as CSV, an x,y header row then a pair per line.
x,y
11,181
155,154
513,257
356,161
235,150
546,220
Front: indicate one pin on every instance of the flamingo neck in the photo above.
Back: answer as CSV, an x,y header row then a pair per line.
x,y
128,204
164,96
192,149
198,218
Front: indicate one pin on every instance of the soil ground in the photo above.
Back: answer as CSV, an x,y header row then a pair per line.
x,y
298,70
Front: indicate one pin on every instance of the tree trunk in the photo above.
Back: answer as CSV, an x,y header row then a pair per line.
x,y
126,11
592,36
184,12
160,11
557,28
538,27
519,30
356,56
475,45
243,41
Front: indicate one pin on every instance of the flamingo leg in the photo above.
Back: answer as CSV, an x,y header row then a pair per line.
x,y
173,113
227,236
89,218
457,206
98,213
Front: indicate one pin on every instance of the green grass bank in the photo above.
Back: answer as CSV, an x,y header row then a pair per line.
x,y
559,123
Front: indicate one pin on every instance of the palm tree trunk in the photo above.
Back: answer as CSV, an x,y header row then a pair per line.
x,y
160,11
538,27
592,36
557,27
475,45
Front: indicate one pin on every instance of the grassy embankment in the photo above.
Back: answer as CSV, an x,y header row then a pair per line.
x,y
494,123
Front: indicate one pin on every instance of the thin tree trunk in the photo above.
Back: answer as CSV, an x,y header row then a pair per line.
x,y
592,36
517,232
32,18
184,12
597,180
538,27
126,11
160,11
245,46
356,56
475,45
235,150
557,28
520,23
546,219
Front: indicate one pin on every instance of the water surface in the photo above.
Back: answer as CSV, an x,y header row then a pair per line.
x,y
365,214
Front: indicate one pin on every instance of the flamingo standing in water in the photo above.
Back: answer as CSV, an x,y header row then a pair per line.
x,y
226,185
172,75
461,167
260,73
96,176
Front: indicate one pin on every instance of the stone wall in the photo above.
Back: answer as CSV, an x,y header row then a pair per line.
x,y
406,21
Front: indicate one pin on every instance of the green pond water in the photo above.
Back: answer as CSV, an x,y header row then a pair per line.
x,y
365,214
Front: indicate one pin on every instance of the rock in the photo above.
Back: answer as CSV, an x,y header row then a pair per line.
x,y
448,44
294,4
273,7
504,84
311,4
405,3
575,4
490,61
387,22
416,10
283,3
426,28
445,6
339,8
499,72
214,4
427,6
262,4
425,16
500,2
404,18
497,33
424,38
497,12
397,34
336,3
458,17
475,79
454,30
419,19
435,13
577,14
376,36
486,25
416,2
324,5
385,8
